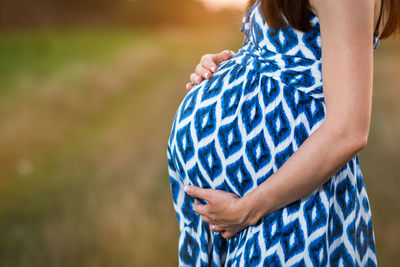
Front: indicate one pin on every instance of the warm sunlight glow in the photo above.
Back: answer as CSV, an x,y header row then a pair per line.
x,y
217,4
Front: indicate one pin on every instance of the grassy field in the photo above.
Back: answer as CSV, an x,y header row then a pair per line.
x,y
84,121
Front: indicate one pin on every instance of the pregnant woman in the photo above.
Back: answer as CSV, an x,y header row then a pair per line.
x,y
263,152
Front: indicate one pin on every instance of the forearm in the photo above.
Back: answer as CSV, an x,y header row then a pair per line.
x,y
318,158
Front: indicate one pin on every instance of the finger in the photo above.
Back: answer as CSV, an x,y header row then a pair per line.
x,y
209,62
204,218
216,228
227,234
201,71
199,192
195,78
189,85
200,208
226,54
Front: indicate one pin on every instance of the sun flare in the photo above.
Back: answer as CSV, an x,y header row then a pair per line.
x,y
218,4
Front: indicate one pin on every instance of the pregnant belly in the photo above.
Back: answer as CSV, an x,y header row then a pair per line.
x,y
235,130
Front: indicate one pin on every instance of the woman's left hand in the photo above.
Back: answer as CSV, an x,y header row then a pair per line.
x,y
227,211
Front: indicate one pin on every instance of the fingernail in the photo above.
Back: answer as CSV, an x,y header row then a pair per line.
x,y
207,74
186,188
198,79
213,68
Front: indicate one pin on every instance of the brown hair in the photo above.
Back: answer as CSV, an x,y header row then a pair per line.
x,y
297,14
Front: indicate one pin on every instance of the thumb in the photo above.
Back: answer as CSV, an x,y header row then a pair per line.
x,y
227,54
198,192
224,55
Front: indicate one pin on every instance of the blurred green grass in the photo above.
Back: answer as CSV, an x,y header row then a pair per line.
x,y
84,121
40,53
84,177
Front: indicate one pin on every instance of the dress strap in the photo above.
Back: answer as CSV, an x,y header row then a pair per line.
x,y
376,31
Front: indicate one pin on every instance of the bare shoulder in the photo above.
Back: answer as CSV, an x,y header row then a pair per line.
x,y
350,5
345,19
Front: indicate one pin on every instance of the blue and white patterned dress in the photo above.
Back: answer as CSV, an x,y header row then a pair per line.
x,y
233,131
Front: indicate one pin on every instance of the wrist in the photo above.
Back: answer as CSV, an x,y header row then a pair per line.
x,y
249,210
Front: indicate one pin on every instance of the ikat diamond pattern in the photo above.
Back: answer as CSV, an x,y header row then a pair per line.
x,y
233,131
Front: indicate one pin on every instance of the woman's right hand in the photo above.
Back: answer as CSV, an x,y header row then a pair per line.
x,y
208,66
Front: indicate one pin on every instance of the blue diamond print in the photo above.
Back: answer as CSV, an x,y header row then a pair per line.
x,y
311,40
335,227
283,39
351,233
360,183
187,210
314,112
253,78
236,73
300,134
238,260
362,238
301,263
185,143
371,263
318,251
178,165
253,257
318,90
230,138
204,237
258,152
189,251
219,246
282,156
175,189
225,187
204,121
277,124
239,176
272,261
298,78
230,100
269,89
258,31
340,253
210,161
230,262
357,207
271,67
272,227
188,104
198,179
370,236
346,196
251,114
365,204
315,214
328,188
292,240
293,207
170,161
214,89
298,60
295,99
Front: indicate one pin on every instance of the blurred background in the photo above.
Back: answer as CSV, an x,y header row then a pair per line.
x,y
88,93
